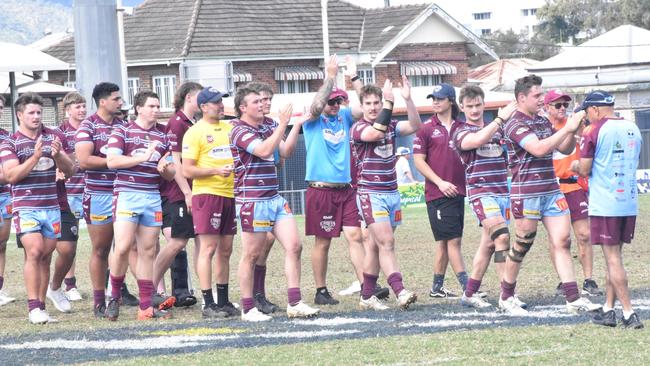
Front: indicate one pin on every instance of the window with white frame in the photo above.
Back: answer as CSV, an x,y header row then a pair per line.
x,y
293,86
481,16
529,12
486,32
70,84
367,76
132,88
164,86
425,80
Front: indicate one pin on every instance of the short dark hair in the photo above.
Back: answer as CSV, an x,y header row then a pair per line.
x,y
73,98
260,87
523,85
369,89
140,98
471,92
104,90
241,93
25,99
182,92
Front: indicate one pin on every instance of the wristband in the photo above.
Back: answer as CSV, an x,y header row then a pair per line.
x,y
500,119
383,120
354,78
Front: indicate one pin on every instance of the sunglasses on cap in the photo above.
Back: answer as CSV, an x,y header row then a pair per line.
x,y
334,102
560,105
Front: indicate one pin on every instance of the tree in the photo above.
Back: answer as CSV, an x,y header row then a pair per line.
x,y
509,44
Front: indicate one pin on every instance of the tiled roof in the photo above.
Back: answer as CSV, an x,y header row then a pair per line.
x,y
382,24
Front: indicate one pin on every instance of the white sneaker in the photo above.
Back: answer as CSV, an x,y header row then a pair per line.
x,y
354,288
38,316
406,298
581,304
520,303
59,299
5,298
510,307
73,295
476,301
372,303
255,315
301,310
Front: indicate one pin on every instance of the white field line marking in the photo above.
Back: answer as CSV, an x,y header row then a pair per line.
x,y
449,323
531,314
322,322
164,342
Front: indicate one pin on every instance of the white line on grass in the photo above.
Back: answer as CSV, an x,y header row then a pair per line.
x,y
323,322
449,323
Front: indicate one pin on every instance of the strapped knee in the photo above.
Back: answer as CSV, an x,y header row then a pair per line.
x,y
500,256
498,230
523,243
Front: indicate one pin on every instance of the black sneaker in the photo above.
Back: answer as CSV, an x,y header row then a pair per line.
x,y
323,297
113,310
382,293
212,311
559,291
100,310
230,309
632,322
606,318
442,293
590,288
127,298
264,305
184,299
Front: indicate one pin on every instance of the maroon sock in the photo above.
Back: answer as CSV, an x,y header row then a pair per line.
x,y
369,284
145,288
395,282
116,286
2,282
33,304
99,297
570,291
70,283
472,287
507,290
247,304
42,305
293,294
259,276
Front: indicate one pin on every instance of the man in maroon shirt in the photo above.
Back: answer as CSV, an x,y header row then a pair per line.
x,y
5,215
177,200
444,190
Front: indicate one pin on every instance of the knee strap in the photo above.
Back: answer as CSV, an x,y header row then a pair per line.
x,y
497,230
524,243
500,256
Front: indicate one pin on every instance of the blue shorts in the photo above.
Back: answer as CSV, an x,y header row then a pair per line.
x,y
46,222
492,206
98,208
138,207
535,208
75,201
261,216
380,207
5,206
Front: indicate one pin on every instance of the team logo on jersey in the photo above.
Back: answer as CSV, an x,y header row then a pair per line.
x,y
334,137
384,151
209,138
327,224
436,133
158,216
44,163
74,230
215,220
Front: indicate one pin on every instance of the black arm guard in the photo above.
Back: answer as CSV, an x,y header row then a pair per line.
x,y
382,122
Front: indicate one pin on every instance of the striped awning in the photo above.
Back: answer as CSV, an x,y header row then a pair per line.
x,y
298,73
241,77
415,68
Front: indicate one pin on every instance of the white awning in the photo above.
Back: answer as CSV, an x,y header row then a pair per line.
x,y
416,68
298,73
241,77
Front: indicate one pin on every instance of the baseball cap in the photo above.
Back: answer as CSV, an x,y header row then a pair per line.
x,y
338,93
555,94
443,90
209,94
403,151
596,98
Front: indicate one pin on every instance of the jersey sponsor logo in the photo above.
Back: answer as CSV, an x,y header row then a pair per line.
x,y
327,225
220,152
126,213
44,163
384,151
83,135
287,209
398,216
27,225
334,137
158,216
379,213
112,140
56,227
507,214
9,209
531,212
521,130
155,156
247,137
103,149
4,153
489,151
94,217
562,204
261,223
215,220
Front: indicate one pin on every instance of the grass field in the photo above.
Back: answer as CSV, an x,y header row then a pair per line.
x,y
562,344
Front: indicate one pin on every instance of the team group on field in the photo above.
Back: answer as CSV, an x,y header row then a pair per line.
x,y
196,179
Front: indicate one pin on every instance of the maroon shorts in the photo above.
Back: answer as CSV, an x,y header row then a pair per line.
x,y
578,204
329,209
612,230
213,215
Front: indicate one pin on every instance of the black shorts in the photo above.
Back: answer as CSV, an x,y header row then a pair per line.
x,y
175,216
69,227
447,217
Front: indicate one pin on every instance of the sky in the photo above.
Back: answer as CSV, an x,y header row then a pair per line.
x,y
367,3
69,2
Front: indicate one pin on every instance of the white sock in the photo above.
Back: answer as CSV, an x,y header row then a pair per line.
x,y
627,314
606,308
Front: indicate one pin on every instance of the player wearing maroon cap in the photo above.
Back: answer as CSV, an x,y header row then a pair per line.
x,y
139,152
556,104
377,196
535,195
30,159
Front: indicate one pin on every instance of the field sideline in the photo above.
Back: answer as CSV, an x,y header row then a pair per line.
x,y
434,332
